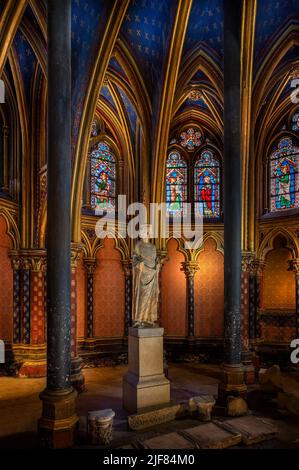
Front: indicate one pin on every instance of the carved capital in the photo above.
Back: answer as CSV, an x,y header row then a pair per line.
x,y
190,268
76,250
162,256
127,267
90,265
34,260
248,262
294,266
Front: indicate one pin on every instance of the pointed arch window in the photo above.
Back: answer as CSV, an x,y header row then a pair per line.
x,y
284,178
207,185
103,178
176,184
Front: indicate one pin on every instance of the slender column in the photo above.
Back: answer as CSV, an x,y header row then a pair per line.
x,y
5,186
233,376
190,268
90,265
77,377
294,266
29,312
16,265
247,297
58,422
127,267
162,256
260,266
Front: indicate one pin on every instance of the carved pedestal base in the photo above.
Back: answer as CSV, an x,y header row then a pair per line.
x,y
232,383
77,377
57,426
145,384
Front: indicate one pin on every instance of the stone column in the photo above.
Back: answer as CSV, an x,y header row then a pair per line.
x,y
233,374
77,377
127,267
58,422
190,268
16,266
248,313
162,256
259,272
294,266
29,312
90,265
5,182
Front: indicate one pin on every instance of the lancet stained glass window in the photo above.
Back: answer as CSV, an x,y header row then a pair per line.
x,y
207,185
284,178
103,176
176,184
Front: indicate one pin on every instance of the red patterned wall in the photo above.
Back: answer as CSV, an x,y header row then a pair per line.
x,y
81,300
173,295
279,283
109,292
6,284
209,292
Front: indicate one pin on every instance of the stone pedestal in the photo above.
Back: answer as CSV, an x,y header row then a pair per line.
x,y
99,426
145,384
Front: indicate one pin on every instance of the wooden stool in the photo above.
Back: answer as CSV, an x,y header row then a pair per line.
x,y
204,405
99,426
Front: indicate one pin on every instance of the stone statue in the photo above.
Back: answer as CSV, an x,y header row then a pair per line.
x,y
146,268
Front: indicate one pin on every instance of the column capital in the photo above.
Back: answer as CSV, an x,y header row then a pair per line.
x,y
259,266
248,262
294,266
162,256
76,250
127,267
90,265
31,260
190,268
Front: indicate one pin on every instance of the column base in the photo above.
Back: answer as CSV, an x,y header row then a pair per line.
x,y
232,383
77,377
58,424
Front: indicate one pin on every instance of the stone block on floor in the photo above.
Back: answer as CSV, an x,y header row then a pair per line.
x,y
172,440
253,429
212,436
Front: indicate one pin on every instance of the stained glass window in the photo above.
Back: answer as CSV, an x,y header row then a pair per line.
x,y
176,184
284,179
295,121
191,139
103,175
207,185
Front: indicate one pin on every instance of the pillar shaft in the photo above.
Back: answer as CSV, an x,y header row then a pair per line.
x,y
232,180
59,191
190,268
90,265
127,267
58,422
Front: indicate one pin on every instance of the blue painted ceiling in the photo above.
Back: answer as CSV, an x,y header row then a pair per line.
x,y
271,16
146,28
27,62
205,25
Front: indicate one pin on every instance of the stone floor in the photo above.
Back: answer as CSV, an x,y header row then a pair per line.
x,y
20,406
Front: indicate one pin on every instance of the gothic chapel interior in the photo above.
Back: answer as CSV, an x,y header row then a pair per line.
x,y
182,102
